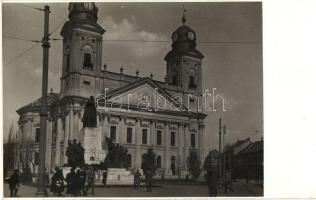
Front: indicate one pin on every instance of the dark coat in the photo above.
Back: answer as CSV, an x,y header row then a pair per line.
x,y
14,181
57,184
70,179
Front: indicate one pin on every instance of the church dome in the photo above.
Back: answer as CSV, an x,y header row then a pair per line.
x,y
83,11
184,41
184,37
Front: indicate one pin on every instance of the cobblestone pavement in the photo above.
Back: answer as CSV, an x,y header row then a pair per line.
x,y
164,190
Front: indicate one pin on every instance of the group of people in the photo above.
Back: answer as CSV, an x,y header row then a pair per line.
x,y
79,181
148,180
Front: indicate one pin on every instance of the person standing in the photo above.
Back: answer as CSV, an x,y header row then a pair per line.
x,y
105,176
14,183
91,179
148,179
211,183
81,181
70,179
77,183
137,176
227,182
57,183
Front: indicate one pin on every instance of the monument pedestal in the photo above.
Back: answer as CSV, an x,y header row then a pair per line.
x,y
91,140
119,176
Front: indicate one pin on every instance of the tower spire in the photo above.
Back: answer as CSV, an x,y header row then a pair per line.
x,y
184,19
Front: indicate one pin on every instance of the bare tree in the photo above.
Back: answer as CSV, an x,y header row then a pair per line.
x,y
26,158
178,161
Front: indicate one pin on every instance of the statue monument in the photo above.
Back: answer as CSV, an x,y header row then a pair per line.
x,y
91,135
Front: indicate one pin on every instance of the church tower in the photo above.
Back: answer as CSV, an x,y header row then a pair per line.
x,y
184,65
82,51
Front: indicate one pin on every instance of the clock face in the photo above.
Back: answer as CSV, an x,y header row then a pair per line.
x,y
191,35
174,37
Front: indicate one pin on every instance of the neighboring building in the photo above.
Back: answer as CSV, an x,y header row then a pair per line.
x,y
253,160
244,159
171,132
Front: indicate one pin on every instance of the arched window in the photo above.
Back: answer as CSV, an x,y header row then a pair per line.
x,y
67,53
129,135
87,57
143,161
144,136
193,140
173,165
68,62
87,61
192,84
36,158
129,160
158,162
192,75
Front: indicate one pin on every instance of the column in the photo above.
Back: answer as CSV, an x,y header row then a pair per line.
x,y
80,119
98,120
166,153
186,141
181,146
71,123
105,130
201,142
27,130
153,133
58,136
76,125
48,144
32,135
122,130
66,137
138,156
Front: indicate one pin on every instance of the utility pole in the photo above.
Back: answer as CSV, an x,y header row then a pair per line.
x,y
224,150
41,187
219,148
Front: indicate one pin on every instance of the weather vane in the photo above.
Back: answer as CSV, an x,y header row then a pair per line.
x,y
183,17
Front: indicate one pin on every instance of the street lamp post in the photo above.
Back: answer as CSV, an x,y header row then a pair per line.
x,y
224,150
41,187
219,148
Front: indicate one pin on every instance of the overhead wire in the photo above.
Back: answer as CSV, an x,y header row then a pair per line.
x,y
27,6
17,38
168,41
20,55
58,26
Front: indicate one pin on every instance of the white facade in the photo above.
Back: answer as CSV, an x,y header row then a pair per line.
x,y
170,132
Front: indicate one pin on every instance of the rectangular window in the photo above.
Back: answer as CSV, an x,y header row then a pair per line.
x,y
86,83
173,139
129,135
37,135
113,133
68,62
158,137
193,140
144,136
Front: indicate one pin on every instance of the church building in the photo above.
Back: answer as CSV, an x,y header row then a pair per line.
x,y
171,131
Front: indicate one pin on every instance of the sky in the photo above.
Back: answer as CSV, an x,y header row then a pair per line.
x,y
232,63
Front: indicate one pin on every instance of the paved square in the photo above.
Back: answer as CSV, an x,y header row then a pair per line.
x,y
163,190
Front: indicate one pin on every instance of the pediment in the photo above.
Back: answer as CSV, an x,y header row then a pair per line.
x,y
146,97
